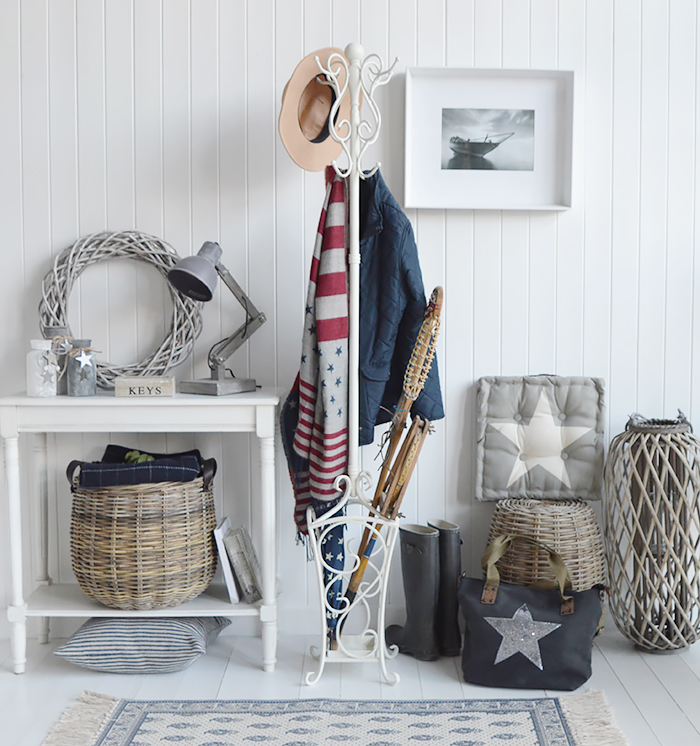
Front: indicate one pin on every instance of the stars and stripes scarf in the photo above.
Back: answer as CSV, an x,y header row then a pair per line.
x,y
314,417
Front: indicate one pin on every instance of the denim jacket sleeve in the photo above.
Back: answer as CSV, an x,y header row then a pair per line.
x,y
392,303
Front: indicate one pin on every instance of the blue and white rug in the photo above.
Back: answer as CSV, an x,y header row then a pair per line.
x,y
573,720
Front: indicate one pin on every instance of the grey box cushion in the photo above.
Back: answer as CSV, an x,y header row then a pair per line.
x,y
539,437
141,644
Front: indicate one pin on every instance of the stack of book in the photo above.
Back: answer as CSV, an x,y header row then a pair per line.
x,y
239,562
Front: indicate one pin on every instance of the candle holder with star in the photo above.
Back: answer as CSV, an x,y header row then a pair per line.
x,y
81,369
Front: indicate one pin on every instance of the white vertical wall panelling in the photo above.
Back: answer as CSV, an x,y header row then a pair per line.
x,y
89,316
682,158
204,166
155,305
695,305
626,163
11,203
291,284
653,208
402,44
261,137
543,225
570,228
486,291
598,192
345,22
515,224
176,145
428,483
119,148
457,318
148,120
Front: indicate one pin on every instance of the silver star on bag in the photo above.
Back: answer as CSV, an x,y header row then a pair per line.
x,y
521,634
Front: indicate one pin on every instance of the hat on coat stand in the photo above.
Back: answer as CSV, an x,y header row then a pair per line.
x,y
306,106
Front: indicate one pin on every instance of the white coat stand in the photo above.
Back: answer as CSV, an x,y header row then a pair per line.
x,y
363,75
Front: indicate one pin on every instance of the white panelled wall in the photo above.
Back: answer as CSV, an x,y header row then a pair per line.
x,y
160,116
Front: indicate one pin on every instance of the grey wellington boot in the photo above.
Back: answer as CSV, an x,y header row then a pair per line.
x,y
419,569
447,629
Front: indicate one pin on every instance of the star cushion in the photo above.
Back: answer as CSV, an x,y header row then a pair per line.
x,y
539,437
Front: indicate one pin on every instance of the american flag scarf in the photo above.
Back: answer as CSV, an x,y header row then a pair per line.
x,y
320,393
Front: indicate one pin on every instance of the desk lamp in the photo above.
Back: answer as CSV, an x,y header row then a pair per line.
x,y
195,277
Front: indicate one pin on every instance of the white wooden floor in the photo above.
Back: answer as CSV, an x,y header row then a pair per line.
x,y
656,698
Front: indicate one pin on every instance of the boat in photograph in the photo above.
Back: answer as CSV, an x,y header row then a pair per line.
x,y
478,147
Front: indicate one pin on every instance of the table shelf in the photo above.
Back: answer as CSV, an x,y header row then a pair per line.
x,y
68,600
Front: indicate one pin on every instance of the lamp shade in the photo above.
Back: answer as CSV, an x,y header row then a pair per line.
x,y
196,276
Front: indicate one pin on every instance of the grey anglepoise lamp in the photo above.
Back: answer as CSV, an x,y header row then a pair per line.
x,y
195,277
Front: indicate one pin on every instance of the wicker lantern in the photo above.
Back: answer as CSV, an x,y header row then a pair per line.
x,y
652,532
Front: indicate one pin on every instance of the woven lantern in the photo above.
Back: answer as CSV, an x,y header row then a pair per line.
x,y
652,532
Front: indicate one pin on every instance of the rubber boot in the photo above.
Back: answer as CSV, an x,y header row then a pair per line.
x,y
419,569
447,630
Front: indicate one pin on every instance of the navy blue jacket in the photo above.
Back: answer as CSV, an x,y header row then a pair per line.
x,y
392,302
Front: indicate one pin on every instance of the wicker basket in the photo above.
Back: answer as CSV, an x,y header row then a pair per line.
x,y
146,546
567,526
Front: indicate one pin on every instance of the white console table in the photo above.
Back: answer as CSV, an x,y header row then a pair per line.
x,y
253,412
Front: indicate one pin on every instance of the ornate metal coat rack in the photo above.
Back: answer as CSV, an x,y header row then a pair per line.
x,y
363,76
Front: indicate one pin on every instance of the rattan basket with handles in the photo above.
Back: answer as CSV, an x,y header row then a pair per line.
x,y
144,546
569,527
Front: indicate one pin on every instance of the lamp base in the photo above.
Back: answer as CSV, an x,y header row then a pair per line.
x,y
217,387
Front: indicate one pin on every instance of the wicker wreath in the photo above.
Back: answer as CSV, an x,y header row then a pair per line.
x,y
69,265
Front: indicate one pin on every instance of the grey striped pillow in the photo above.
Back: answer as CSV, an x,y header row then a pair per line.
x,y
141,645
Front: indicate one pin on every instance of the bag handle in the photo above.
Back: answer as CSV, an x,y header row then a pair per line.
x,y
499,546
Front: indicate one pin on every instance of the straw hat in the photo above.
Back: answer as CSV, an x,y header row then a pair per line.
x,y
306,106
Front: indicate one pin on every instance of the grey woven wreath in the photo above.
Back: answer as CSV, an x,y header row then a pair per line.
x,y
69,265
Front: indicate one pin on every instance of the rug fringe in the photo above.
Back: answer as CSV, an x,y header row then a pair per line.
x,y
82,722
591,720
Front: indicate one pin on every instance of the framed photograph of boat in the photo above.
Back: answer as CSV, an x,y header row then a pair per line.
x,y
489,139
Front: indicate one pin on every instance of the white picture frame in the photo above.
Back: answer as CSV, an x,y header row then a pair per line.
x,y
451,114
219,532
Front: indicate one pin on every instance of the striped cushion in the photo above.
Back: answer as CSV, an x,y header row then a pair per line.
x,y
141,645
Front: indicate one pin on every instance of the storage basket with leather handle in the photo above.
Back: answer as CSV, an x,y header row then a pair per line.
x,y
144,546
569,527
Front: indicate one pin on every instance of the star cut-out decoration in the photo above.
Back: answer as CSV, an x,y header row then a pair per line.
x,y
521,634
540,442
84,359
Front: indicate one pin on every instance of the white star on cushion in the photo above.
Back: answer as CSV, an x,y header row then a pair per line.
x,y
540,442
521,634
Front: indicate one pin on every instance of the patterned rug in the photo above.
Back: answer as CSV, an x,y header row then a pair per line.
x,y
574,720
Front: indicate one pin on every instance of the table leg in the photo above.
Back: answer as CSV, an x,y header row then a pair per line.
x,y
268,606
41,490
16,611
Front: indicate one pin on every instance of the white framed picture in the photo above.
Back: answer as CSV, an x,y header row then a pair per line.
x,y
488,139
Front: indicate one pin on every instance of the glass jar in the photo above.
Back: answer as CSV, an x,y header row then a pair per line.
x,y
61,339
81,369
41,369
